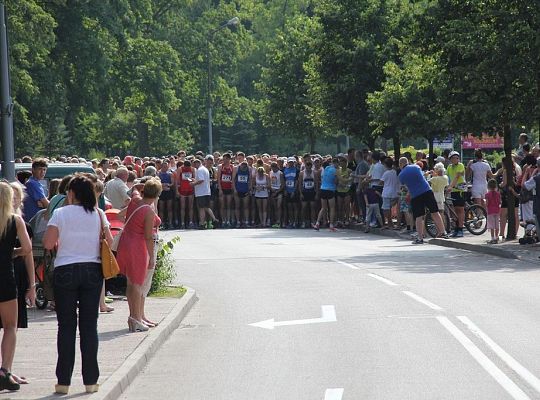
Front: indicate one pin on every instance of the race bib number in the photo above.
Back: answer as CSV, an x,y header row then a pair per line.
x,y
226,178
186,176
289,184
242,178
309,184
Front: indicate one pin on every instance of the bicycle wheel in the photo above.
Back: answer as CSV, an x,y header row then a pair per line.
x,y
476,219
429,224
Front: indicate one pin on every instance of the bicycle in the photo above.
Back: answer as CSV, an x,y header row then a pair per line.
x,y
475,218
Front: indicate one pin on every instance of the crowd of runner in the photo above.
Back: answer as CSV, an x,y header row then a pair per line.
x,y
235,190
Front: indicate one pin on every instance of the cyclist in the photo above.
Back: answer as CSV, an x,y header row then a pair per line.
x,y
457,187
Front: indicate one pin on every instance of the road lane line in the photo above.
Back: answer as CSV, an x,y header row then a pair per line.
x,y
422,300
346,264
507,358
333,394
383,280
483,360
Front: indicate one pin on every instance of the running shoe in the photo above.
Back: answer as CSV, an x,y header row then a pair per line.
x,y
191,225
315,226
332,228
276,226
418,241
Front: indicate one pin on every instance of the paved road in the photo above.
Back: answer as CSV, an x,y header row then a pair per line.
x,y
410,322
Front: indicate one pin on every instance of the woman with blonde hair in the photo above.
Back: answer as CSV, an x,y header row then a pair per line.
x,y
137,250
11,227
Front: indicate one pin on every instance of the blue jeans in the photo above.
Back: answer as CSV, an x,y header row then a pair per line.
x,y
77,284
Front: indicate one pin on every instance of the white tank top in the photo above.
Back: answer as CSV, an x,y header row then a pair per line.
x,y
261,188
275,180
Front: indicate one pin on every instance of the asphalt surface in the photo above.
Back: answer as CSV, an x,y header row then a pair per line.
x,y
410,322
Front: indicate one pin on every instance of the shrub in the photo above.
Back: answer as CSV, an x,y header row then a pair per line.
x,y
165,272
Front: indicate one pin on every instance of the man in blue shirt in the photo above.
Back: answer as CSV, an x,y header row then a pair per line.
x,y
422,197
35,198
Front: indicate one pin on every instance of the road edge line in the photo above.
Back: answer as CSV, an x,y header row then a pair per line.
x,y
421,300
118,382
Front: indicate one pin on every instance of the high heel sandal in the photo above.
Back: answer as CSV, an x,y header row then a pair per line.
x,y
6,383
92,388
137,326
149,323
61,389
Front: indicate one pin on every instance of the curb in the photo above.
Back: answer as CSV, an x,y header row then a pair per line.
x,y
119,381
493,251
477,248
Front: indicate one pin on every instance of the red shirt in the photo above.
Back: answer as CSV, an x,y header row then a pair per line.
x,y
493,199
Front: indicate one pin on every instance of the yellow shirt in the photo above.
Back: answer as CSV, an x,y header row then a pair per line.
x,y
452,171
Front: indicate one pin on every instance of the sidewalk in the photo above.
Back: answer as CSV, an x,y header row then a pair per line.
x,y
511,249
121,354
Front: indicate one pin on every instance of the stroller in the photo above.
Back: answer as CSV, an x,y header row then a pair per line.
x,y
43,261
530,236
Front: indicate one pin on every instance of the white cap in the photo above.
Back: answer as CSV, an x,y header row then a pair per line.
x,y
452,154
291,159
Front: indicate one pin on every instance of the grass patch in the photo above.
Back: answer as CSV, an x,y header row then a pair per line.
x,y
170,291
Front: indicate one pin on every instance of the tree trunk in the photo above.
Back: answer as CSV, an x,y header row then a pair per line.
x,y
430,151
384,144
338,144
509,167
311,142
397,146
370,141
143,140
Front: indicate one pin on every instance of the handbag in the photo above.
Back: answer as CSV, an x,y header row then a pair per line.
x,y
109,265
116,239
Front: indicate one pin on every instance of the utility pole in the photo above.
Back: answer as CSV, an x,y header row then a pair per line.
x,y
6,102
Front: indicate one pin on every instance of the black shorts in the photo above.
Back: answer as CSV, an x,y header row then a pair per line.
x,y
343,194
327,194
166,195
203,201
458,199
291,197
420,203
227,192
242,194
308,196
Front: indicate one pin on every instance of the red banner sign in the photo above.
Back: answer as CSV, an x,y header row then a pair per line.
x,y
482,142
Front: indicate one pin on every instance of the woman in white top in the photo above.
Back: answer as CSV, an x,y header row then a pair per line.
x,y
262,184
76,229
480,171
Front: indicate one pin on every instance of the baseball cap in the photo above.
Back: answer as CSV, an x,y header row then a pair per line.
x,y
291,159
209,157
341,155
452,154
439,159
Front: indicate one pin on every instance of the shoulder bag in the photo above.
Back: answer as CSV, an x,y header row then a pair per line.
x,y
109,265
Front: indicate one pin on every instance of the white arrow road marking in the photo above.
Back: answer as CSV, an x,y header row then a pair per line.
x,y
333,394
507,358
383,280
484,361
422,300
328,315
346,264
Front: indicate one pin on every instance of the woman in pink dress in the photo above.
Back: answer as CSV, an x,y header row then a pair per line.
x,y
136,253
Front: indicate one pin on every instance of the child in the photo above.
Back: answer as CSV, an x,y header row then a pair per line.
x,y
390,193
493,200
405,209
371,196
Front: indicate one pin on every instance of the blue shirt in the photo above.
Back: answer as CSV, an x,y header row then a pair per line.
x,y
329,181
242,180
290,179
34,192
412,177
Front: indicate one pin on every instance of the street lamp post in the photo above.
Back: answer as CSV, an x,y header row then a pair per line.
x,y
6,103
231,22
